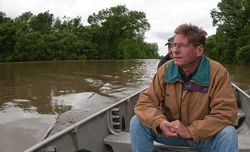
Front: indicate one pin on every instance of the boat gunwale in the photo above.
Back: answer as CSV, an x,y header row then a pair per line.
x,y
243,92
70,128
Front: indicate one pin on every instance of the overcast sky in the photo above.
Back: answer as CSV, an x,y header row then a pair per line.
x,y
163,15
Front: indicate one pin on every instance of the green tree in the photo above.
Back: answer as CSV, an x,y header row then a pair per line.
x,y
42,22
232,17
7,37
75,41
210,44
128,49
228,55
115,24
244,55
114,33
22,22
4,18
7,41
151,51
232,34
67,25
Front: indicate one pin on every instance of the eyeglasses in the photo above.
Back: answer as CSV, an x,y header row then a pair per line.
x,y
180,46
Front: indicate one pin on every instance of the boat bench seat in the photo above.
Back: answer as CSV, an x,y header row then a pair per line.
x,y
240,115
121,142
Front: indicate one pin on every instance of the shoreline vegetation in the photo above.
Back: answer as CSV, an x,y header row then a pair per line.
x,y
115,33
231,43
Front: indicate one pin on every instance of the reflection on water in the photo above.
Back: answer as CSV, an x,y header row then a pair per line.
x,y
36,95
19,128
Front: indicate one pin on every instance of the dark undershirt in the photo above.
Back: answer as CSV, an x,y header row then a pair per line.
x,y
189,77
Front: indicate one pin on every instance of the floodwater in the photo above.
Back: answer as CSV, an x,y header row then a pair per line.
x,y
38,96
42,98
240,75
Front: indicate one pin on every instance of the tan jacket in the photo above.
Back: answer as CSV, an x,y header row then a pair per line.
x,y
206,104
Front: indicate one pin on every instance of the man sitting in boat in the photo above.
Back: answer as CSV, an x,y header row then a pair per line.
x,y
169,56
199,107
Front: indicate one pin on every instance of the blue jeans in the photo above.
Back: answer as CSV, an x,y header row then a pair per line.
x,y
142,139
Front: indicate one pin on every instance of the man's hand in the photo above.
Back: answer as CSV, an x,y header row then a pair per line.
x,y
168,129
181,129
175,129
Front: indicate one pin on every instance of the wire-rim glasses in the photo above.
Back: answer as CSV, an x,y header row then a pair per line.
x,y
180,46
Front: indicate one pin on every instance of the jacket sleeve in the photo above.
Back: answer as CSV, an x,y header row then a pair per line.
x,y
148,106
223,108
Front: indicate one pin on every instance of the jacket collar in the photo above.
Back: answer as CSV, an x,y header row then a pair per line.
x,y
202,76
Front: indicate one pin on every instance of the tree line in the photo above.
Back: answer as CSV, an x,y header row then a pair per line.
x,y
113,33
231,43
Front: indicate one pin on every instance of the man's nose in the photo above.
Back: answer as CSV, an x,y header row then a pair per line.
x,y
176,50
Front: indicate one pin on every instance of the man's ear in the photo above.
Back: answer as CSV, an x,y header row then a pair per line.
x,y
200,50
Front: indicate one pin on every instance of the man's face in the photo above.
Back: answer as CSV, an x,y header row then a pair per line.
x,y
170,51
184,54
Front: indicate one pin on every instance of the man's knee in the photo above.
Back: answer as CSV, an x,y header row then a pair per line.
x,y
137,127
136,130
226,140
134,121
228,133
